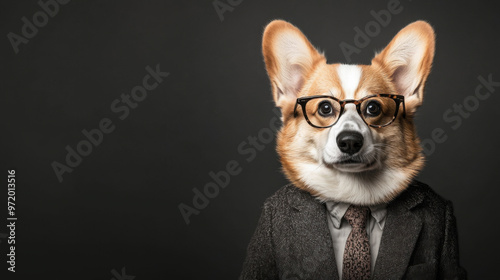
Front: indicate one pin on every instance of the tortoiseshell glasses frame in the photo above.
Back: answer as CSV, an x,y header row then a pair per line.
x,y
398,99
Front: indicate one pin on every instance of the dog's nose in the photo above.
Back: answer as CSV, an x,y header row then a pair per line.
x,y
350,142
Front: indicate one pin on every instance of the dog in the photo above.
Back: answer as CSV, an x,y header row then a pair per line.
x,y
349,138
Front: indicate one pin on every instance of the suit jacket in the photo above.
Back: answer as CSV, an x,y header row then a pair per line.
x,y
292,240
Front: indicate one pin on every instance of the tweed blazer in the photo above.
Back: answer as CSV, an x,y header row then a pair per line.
x,y
292,239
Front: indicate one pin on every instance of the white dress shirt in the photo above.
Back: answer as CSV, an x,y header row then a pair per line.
x,y
340,229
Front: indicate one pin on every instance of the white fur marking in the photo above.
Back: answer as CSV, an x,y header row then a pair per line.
x,y
349,76
351,188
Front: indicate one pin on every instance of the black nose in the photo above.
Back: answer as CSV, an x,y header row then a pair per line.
x,y
350,142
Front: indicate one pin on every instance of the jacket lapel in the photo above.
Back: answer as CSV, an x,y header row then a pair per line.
x,y
400,235
311,239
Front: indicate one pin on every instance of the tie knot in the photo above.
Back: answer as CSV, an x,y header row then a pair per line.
x,y
357,216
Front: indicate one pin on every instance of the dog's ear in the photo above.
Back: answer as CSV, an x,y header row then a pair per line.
x,y
289,58
408,60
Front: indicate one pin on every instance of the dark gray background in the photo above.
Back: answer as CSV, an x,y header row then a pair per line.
x,y
119,207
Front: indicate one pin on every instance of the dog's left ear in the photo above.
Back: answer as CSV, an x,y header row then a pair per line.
x,y
408,59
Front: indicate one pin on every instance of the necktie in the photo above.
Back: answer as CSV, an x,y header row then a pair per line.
x,y
357,248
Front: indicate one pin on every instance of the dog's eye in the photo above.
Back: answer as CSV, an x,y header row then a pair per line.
x,y
373,109
325,109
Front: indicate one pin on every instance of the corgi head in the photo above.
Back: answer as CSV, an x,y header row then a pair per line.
x,y
347,134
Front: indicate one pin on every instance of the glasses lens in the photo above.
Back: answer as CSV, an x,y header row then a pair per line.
x,y
378,111
322,112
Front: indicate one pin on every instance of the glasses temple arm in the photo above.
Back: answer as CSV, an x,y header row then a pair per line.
x,y
404,109
295,109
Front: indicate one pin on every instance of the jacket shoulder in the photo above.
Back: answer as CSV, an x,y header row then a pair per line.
x,y
429,193
420,195
288,195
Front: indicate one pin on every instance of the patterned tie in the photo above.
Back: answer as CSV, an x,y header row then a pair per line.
x,y
357,248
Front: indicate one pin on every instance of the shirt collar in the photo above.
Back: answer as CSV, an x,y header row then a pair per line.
x,y
338,209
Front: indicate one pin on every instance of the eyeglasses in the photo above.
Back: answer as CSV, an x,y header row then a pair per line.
x,y
378,110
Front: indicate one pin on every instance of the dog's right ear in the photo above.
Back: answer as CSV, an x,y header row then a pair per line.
x,y
290,58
